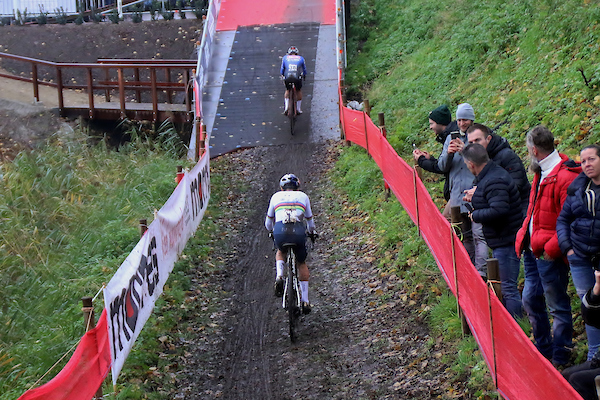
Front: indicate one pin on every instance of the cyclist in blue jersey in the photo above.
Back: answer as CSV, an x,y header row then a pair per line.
x,y
289,217
293,69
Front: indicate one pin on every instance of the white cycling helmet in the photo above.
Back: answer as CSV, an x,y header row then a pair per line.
x,y
293,50
289,181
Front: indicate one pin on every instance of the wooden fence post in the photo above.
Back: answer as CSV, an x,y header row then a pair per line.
x,y
179,174
383,131
89,323
456,221
367,107
143,226
493,280
493,276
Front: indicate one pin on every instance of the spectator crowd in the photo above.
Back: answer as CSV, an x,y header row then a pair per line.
x,y
552,224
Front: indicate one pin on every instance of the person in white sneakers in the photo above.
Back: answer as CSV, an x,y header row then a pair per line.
x,y
290,217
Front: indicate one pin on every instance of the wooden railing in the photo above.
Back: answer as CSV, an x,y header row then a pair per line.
x,y
125,77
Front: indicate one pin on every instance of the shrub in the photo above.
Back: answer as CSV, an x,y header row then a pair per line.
x,y
95,17
42,18
60,15
113,16
20,17
79,19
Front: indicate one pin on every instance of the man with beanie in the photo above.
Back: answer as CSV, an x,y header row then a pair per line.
x,y
461,179
465,116
440,122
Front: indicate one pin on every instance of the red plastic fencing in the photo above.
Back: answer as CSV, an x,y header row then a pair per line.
x,y
518,369
85,371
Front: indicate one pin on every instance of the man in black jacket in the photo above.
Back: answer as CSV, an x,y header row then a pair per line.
x,y
440,122
502,154
496,205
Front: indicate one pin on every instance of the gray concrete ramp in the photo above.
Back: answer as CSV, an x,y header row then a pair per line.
x,y
249,108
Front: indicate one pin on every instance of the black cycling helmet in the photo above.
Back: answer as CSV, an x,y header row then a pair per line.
x,y
289,181
293,50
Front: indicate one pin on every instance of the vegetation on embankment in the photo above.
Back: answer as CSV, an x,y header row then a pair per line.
x,y
69,215
518,62
526,62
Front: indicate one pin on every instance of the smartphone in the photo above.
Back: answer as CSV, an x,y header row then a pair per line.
x,y
414,146
469,207
455,135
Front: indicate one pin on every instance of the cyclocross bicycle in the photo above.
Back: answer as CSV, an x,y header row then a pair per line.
x,y
292,292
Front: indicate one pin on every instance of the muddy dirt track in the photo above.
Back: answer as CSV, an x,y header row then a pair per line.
x,y
362,340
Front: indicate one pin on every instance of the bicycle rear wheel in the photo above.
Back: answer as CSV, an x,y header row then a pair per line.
x,y
292,296
292,109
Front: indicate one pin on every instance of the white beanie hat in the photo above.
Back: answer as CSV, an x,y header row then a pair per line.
x,y
465,111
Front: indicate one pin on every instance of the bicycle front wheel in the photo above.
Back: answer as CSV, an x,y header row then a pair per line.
x,y
292,296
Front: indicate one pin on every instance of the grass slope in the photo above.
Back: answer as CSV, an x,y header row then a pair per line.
x,y
522,62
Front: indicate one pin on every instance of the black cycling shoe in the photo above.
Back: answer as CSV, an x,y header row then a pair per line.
x,y
306,307
278,287
285,113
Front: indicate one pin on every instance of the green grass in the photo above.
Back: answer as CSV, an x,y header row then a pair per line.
x,y
522,62
69,215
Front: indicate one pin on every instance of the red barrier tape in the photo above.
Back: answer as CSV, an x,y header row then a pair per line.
x,y
518,369
85,371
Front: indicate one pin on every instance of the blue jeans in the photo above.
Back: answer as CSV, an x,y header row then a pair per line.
x,y
546,285
509,266
475,244
582,272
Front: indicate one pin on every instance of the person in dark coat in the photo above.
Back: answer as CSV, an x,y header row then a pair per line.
x,y
496,205
578,230
502,154
582,377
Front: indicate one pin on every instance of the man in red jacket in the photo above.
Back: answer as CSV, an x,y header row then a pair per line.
x,y
546,271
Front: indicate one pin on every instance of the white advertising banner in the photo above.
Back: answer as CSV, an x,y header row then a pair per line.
x,y
130,295
204,54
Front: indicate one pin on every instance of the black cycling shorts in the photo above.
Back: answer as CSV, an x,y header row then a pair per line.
x,y
291,233
292,79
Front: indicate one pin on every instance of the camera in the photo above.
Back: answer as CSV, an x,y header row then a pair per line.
x,y
595,259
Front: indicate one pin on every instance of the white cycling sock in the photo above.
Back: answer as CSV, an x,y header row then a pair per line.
x,y
299,103
304,288
287,104
280,265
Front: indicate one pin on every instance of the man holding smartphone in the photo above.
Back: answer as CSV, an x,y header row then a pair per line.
x,y
440,122
461,179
